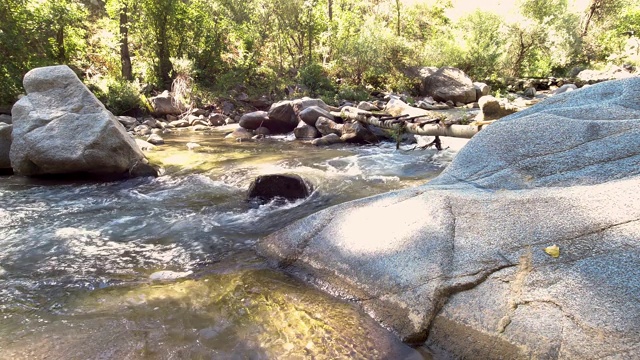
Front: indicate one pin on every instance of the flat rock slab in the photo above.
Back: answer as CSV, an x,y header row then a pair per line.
x,y
460,262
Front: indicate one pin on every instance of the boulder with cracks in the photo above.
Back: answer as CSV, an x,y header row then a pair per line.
x,y
460,263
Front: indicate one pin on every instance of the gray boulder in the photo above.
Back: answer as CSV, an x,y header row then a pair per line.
x,y
254,120
304,131
300,104
465,262
283,117
327,126
311,114
327,140
60,127
164,104
217,119
448,84
127,121
155,139
5,146
355,132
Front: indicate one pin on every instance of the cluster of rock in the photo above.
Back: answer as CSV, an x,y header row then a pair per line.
x,y
309,119
462,261
60,127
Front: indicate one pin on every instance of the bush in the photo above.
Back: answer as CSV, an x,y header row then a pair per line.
x,y
315,79
119,96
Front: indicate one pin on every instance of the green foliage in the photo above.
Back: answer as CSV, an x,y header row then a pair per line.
x,y
353,93
205,47
316,79
119,96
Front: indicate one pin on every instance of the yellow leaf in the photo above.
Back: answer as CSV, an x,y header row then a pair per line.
x,y
553,250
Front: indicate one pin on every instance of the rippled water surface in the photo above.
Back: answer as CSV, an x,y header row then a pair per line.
x,y
77,258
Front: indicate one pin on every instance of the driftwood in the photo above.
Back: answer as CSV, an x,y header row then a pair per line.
x,y
428,127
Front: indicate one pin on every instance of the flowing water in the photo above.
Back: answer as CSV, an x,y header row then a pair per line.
x,y
165,268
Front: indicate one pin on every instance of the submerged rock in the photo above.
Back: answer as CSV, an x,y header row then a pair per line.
x,y
267,187
60,127
460,262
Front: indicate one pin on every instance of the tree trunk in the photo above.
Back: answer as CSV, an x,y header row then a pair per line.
x,y
455,130
164,63
61,55
125,57
398,16
330,9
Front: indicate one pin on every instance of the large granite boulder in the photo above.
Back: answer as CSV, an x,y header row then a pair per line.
x,y
5,146
464,262
447,84
60,127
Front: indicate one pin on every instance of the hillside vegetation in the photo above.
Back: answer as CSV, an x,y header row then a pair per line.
x,y
125,50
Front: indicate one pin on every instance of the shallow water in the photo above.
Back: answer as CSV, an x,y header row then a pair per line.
x,y
76,258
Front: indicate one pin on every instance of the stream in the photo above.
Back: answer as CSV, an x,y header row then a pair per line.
x,y
165,268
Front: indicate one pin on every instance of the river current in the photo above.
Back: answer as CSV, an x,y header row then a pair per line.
x,y
165,268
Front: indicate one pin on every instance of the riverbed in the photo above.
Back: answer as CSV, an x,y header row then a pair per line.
x,y
165,267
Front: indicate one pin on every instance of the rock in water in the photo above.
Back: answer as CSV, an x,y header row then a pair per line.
x,y
268,187
60,127
460,262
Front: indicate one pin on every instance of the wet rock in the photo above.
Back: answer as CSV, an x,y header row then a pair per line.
x,y
267,187
240,133
5,146
448,84
200,127
254,120
304,131
282,117
179,123
311,114
217,119
155,139
229,121
164,104
167,275
327,126
60,127
171,118
461,260
263,131
143,145
128,122
328,139
355,132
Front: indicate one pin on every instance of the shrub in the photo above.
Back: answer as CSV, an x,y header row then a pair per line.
x,y
314,78
119,96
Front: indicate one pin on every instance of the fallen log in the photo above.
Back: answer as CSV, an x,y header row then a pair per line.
x,y
428,127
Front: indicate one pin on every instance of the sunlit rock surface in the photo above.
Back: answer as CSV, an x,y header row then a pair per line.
x,y
460,261
60,127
